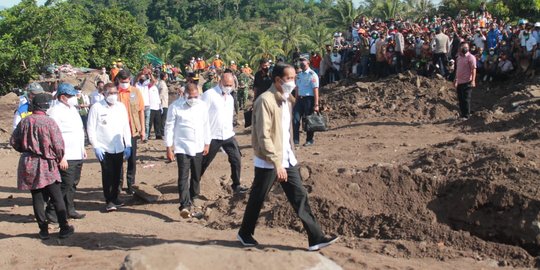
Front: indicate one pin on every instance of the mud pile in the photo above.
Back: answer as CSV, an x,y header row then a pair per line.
x,y
458,198
406,97
507,106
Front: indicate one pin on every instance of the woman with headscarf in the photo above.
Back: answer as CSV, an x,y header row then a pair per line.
x,y
40,142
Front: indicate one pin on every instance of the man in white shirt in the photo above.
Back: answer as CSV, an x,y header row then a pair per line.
x,y
154,101
164,96
66,115
143,85
187,138
110,135
97,95
221,114
275,161
479,39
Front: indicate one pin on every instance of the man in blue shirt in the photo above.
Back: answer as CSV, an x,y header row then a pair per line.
x,y
494,36
307,99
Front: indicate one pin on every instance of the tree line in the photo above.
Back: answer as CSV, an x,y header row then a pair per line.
x,y
92,33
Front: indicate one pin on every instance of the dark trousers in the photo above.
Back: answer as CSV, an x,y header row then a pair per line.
x,y
70,180
131,166
304,106
111,169
442,61
296,195
399,62
188,189
235,159
163,121
53,193
464,97
155,121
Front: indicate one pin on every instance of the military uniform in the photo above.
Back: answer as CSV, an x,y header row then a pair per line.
x,y
244,83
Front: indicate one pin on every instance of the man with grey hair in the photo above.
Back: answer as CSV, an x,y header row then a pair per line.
x,y
221,115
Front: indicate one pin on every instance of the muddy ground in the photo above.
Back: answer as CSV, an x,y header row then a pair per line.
x,y
403,182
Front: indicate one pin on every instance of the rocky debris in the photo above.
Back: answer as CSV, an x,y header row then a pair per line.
x,y
184,256
404,96
304,173
10,98
147,192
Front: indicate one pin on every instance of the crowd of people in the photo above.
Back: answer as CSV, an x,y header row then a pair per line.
x,y
50,130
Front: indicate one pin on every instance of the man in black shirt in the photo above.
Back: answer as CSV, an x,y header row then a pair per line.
x,y
263,81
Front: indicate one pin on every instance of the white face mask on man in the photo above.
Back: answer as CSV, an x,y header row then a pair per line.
x,y
72,101
112,99
288,87
226,89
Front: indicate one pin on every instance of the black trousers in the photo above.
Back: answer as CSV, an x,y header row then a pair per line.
x,y
163,121
464,92
53,193
304,106
188,189
296,195
70,180
399,62
442,61
111,169
131,166
155,121
235,159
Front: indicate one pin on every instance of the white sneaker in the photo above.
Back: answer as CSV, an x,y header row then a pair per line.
x,y
326,241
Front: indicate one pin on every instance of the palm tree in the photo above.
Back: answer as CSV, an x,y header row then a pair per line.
x,y
417,9
268,48
344,13
386,9
319,36
291,34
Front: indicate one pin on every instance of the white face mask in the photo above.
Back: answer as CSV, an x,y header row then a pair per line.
x,y
288,87
226,89
147,82
72,101
112,99
124,85
192,101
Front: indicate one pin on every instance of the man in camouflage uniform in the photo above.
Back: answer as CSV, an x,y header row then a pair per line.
x,y
244,84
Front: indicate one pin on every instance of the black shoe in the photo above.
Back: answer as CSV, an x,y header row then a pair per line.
x,y
118,203
129,191
240,189
247,240
76,215
326,241
66,232
44,234
110,207
159,137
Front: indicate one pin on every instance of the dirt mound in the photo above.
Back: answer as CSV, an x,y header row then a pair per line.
x,y
10,99
470,198
511,105
529,133
405,96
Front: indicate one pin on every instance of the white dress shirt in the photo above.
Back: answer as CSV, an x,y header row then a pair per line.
x,y
108,127
187,128
288,155
220,113
144,92
71,126
96,97
154,99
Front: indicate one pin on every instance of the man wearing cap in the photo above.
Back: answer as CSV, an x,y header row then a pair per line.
x,y
233,66
110,135
66,115
132,98
307,96
218,63
24,107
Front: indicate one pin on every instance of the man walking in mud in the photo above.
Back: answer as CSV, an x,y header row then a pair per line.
x,y
275,160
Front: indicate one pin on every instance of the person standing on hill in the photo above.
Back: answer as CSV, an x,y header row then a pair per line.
x,y
441,46
39,140
164,96
275,160
307,95
102,77
465,79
